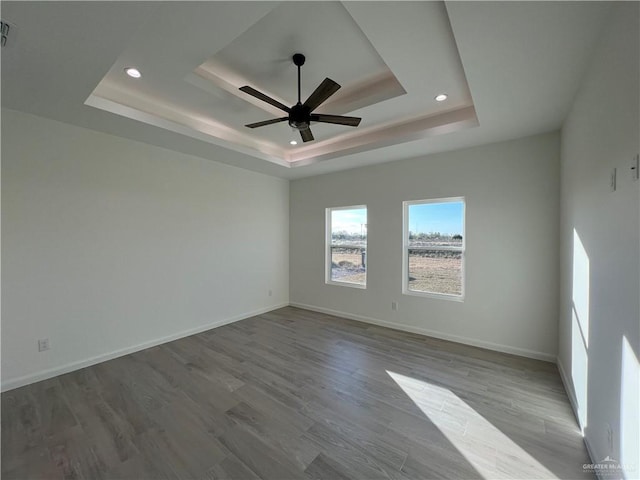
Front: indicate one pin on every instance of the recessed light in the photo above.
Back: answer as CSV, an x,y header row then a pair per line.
x,y
132,72
442,97
293,142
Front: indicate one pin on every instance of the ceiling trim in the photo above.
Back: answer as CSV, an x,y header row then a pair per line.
x,y
386,135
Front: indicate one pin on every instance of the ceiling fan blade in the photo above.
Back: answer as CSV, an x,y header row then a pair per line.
x,y
267,122
338,119
327,88
306,135
255,93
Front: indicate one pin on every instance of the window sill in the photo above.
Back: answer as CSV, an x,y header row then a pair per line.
x,y
440,296
346,284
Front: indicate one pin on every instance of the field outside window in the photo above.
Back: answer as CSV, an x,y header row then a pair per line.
x,y
434,247
347,246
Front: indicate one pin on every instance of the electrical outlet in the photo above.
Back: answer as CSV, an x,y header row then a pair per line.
x,y
43,344
394,306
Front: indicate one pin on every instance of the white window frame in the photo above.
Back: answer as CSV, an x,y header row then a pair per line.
x,y
405,249
328,245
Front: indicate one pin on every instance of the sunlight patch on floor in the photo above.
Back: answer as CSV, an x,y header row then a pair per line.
x,y
492,453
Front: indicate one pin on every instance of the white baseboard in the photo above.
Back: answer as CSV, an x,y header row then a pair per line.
x,y
522,352
12,383
70,367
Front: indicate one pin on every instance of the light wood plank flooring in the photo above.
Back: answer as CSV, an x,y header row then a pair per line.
x,y
296,394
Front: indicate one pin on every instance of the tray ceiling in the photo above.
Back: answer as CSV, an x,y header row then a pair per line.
x,y
200,97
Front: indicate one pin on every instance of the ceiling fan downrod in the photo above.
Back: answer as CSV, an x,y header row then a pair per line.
x,y
298,61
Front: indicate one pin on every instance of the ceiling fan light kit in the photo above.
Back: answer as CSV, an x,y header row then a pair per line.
x,y
301,114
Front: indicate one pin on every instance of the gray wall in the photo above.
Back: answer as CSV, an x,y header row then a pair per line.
x,y
512,202
601,298
110,245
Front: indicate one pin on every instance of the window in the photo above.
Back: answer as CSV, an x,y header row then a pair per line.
x,y
347,246
433,263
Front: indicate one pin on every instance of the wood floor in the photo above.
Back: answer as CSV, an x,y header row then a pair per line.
x,y
296,394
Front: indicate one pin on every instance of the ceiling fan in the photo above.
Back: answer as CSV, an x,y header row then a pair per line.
x,y
301,114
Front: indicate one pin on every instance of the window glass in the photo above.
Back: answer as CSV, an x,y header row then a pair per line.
x,y
434,247
347,245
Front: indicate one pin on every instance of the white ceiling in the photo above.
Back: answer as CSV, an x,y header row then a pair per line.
x,y
511,69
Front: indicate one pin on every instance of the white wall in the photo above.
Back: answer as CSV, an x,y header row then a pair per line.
x,y
110,244
512,201
601,132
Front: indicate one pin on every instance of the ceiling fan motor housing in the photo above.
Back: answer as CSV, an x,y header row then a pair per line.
x,y
300,117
